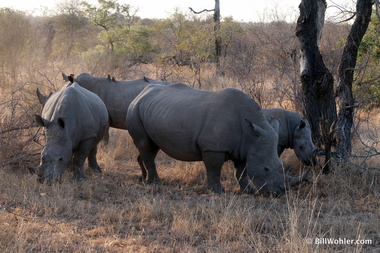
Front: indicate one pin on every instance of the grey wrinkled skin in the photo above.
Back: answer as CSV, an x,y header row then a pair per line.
x,y
294,132
213,127
75,120
116,95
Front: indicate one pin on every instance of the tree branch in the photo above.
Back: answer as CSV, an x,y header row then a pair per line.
x,y
20,157
199,12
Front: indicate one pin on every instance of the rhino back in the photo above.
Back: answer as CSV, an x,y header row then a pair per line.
x,y
117,95
184,121
84,112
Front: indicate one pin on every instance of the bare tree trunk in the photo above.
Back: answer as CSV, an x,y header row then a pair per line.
x,y
218,38
317,81
346,75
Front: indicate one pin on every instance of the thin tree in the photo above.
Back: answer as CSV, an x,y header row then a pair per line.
x,y
346,76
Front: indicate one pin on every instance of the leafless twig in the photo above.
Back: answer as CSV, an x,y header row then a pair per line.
x,y
20,157
7,209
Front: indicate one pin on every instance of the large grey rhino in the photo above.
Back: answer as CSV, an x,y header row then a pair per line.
x,y
294,132
75,120
117,95
213,127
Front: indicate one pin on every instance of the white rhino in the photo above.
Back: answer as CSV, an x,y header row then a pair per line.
x,y
117,95
75,120
294,132
213,127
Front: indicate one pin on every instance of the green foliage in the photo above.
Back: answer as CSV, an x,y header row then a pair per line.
x,y
368,79
186,39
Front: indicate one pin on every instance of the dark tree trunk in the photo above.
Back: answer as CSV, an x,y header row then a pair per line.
x,y
346,75
317,81
218,38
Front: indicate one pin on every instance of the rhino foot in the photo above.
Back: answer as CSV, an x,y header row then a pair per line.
x,y
97,169
216,188
247,190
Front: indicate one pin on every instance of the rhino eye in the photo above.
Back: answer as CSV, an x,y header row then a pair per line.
x,y
266,169
301,147
60,159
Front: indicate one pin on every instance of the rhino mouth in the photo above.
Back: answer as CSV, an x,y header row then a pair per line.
x,y
279,190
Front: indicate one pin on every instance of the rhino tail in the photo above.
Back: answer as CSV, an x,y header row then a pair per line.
x,y
106,136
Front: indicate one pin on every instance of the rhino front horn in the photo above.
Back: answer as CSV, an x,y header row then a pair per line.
x,y
294,181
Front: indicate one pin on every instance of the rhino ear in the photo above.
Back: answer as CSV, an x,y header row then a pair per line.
x,y
41,121
71,78
61,122
256,130
275,123
65,78
302,124
42,98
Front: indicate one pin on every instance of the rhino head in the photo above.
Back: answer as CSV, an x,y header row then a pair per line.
x,y
56,156
303,144
264,167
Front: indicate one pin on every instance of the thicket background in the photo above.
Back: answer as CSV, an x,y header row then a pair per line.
x,y
114,211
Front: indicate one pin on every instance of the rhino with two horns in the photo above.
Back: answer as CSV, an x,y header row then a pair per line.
x,y
213,127
75,120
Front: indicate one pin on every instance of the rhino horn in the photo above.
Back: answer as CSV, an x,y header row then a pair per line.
x,y
294,181
42,98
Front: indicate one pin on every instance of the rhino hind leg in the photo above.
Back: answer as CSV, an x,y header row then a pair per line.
x,y
242,177
214,162
144,172
148,166
92,162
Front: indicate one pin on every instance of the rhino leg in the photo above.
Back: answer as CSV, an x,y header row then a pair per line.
x,y
143,169
92,162
147,156
79,156
242,177
214,162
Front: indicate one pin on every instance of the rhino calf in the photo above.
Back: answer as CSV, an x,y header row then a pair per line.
x,y
293,132
213,127
75,120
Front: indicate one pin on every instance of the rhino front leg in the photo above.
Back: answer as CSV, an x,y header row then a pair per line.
x,y
214,162
92,162
79,156
242,177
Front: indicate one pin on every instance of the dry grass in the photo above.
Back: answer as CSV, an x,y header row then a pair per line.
x,y
114,212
